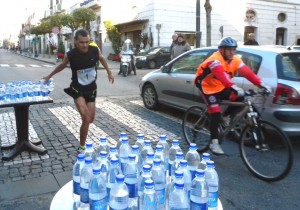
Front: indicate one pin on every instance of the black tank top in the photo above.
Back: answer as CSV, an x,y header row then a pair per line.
x,y
83,66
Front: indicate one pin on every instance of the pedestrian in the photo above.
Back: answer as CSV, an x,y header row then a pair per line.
x,y
174,40
251,40
214,80
180,47
83,87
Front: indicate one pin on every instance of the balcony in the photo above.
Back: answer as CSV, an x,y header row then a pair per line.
x,y
57,8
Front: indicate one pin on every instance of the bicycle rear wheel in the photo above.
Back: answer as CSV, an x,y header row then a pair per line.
x,y
196,127
269,154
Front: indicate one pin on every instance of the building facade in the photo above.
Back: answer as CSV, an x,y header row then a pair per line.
x,y
150,23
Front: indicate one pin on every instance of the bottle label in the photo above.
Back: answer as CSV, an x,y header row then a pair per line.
x,y
198,206
133,190
117,209
213,199
84,195
76,188
161,196
193,173
98,204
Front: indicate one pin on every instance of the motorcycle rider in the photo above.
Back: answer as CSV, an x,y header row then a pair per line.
x,y
127,49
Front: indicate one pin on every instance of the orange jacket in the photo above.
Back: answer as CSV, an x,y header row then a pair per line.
x,y
219,73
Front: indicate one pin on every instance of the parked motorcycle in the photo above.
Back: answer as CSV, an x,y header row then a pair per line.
x,y
127,59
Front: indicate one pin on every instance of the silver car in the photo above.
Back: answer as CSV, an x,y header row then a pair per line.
x,y
172,85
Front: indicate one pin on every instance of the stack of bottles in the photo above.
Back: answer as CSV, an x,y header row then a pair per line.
x,y
25,91
140,177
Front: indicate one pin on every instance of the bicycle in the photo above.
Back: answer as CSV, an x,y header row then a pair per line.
x,y
264,148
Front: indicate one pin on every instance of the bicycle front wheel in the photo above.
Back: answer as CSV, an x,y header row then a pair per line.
x,y
268,155
196,127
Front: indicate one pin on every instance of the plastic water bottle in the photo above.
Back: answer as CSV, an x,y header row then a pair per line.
x,y
97,191
138,157
160,155
124,151
178,177
2,94
205,158
186,176
172,154
178,197
118,198
176,163
103,146
140,141
159,179
113,152
199,192
113,171
146,174
122,136
145,150
31,91
193,159
103,164
148,200
163,141
131,174
76,178
89,150
86,175
212,180
150,158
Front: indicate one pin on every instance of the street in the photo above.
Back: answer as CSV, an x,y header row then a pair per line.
x,y
119,109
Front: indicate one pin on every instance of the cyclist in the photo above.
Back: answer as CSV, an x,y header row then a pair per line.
x,y
213,78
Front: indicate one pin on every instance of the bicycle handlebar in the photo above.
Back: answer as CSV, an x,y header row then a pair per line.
x,y
252,92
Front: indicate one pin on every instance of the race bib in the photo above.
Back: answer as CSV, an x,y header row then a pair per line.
x,y
86,76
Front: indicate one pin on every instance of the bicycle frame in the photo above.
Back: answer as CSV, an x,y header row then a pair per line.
x,y
248,109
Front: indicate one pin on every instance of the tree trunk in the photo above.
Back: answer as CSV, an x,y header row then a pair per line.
x,y
208,9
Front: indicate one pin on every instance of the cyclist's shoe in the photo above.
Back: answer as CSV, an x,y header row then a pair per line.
x,y
226,121
81,150
216,148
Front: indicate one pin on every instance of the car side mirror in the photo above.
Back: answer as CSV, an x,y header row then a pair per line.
x,y
164,69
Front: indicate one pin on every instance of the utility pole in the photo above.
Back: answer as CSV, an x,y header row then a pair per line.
x,y
198,32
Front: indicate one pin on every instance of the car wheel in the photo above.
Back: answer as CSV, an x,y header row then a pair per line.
x,y
124,70
150,97
152,64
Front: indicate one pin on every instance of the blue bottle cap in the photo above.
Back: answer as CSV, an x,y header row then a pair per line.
x,y
88,160
200,172
131,157
183,163
120,178
103,139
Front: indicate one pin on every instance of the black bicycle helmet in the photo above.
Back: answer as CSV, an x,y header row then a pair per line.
x,y
227,42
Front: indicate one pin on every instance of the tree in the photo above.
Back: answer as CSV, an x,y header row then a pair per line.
x,y
69,21
114,35
83,16
208,9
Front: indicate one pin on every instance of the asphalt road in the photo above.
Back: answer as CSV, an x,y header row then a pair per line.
x,y
238,188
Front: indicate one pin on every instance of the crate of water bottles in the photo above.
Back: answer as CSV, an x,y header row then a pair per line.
x,y
139,177
25,91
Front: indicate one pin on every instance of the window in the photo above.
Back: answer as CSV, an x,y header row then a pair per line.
x,y
190,62
251,60
281,17
288,66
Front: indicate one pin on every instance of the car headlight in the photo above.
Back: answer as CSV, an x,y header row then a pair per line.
x,y
142,58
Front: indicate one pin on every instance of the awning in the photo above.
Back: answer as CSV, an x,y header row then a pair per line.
x,y
135,25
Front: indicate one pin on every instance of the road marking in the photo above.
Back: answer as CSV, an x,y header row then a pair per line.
x,y
33,65
48,65
71,119
139,125
4,65
20,65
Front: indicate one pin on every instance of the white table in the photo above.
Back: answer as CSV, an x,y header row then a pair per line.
x,y
63,199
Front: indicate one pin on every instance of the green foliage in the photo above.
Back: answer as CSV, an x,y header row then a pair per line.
x,y
84,16
114,35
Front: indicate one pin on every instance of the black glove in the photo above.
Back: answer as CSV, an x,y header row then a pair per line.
x,y
267,88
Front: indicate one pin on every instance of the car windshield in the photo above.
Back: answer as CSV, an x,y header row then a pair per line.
x,y
150,51
288,66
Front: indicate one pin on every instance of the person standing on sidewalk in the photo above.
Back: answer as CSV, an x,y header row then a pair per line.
x,y
83,87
